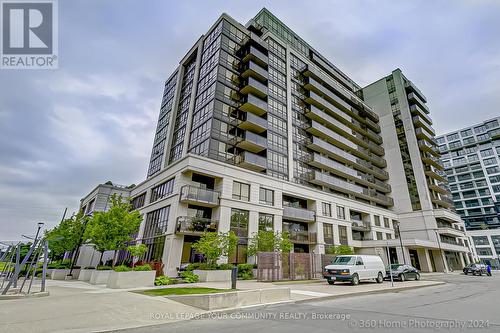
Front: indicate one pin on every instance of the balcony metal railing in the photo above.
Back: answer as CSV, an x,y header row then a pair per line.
x,y
195,225
360,225
303,237
199,195
409,85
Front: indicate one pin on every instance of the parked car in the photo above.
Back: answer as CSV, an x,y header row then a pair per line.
x,y
475,269
354,268
402,272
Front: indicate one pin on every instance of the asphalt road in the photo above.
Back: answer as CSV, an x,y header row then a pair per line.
x,y
464,304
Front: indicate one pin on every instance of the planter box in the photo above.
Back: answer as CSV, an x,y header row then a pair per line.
x,y
132,279
85,274
213,276
99,277
60,274
234,299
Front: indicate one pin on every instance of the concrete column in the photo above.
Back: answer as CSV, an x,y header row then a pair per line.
x,y
423,258
172,253
253,223
225,219
462,261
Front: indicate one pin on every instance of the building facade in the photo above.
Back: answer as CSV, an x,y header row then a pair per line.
x,y
421,197
258,131
471,160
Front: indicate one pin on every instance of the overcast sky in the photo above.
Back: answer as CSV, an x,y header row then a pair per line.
x,y
92,120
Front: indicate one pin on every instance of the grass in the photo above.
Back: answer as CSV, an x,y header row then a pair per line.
x,y
183,291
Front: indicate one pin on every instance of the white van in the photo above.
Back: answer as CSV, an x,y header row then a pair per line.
x,y
355,268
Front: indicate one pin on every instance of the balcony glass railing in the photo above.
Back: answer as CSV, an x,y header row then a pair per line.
x,y
197,194
301,214
304,237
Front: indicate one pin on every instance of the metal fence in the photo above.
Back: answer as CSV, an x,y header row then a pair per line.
x,y
275,266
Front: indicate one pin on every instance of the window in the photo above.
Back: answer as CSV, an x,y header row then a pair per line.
x,y
467,132
266,222
266,197
487,152
480,240
162,190
239,222
342,235
386,222
326,209
328,233
377,220
379,236
484,251
156,222
388,236
341,212
241,191
453,136
138,201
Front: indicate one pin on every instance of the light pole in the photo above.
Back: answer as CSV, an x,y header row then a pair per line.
x,y
401,243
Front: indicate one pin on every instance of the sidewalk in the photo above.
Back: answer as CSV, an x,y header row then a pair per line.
x,y
75,306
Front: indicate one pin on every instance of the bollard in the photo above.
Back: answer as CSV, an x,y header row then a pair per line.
x,y
234,276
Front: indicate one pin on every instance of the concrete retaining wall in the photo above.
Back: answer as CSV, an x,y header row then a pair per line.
x,y
85,274
234,298
213,276
99,277
60,274
133,279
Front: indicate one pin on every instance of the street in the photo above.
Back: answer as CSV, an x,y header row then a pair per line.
x,y
465,303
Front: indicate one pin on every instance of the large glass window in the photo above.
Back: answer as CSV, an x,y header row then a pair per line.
x,y
480,240
328,233
156,222
266,222
138,201
343,235
239,222
266,197
341,212
241,191
161,191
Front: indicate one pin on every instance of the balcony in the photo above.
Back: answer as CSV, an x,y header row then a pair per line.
x,y
330,136
449,231
326,93
251,122
199,196
254,105
373,125
359,225
195,226
254,87
298,214
252,53
314,99
250,141
251,69
432,161
435,175
335,183
413,88
302,237
419,121
377,160
251,161
438,189
414,99
444,202
428,147
320,116
422,133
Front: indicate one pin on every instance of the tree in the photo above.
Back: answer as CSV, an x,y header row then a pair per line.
x,y
66,236
213,246
113,229
137,251
339,249
269,241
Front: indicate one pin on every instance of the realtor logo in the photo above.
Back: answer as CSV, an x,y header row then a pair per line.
x,y
29,34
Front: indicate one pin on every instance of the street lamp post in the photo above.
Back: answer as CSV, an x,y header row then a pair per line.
x,y
401,243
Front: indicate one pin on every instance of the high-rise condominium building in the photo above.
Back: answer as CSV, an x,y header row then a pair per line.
x,y
258,131
471,160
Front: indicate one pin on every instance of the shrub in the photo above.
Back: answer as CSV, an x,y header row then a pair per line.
x,y
245,271
104,268
122,268
142,268
193,266
189,277
164,281
225,266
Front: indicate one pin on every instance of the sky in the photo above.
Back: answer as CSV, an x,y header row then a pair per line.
x,y
64,131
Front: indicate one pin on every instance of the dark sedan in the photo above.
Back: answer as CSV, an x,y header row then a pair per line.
x,y
475,269
402,272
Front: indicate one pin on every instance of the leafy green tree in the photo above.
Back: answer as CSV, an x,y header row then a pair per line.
x,y
112,230
339,249
269,241
137,251
213,246
66,236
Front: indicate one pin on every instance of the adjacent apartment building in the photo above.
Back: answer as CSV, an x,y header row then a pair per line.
x,y
471,160
258,131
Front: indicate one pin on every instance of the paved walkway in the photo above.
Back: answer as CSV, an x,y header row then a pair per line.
x,y
75,306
